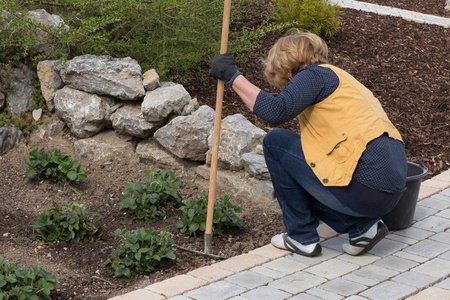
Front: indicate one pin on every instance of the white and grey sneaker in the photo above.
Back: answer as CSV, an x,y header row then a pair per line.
x,y
365,242
283,241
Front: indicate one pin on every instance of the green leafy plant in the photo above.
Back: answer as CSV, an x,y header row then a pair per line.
x,y
33,283
195,213
148,200
71,222
55,166
143,250
317,16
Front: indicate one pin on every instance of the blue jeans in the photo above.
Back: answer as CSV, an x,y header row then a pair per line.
x,y
302,197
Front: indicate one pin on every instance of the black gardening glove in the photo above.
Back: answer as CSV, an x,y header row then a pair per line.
x,y
224,68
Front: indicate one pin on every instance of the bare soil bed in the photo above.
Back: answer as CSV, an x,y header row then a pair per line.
x,y
405,64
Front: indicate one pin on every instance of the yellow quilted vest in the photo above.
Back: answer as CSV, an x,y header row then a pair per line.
x,y
335,132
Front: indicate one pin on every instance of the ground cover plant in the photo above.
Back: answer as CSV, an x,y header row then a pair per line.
x,y
402,62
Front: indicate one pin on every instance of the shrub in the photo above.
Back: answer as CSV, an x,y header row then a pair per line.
x,y
72,222
195,213
173,35
148,200
316,16
143,250
32,283
53,165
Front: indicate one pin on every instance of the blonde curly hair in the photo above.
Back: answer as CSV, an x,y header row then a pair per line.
x,y
291,53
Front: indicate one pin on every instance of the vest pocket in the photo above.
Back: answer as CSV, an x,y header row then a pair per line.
x,y
339,147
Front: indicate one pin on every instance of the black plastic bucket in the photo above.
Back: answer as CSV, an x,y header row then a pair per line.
x,y
402,215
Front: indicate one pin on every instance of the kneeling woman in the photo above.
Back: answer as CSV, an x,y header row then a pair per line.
x,y
348,165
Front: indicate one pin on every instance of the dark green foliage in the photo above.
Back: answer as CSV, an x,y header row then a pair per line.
x,y
54,166
22,283
147,200
72,222
143,250
195,213
316,16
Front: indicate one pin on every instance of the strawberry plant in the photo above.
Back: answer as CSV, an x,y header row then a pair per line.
x,y
147,200
32,283
195,212
70,222
53,165
143,250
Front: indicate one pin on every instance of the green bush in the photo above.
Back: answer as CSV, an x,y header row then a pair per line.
x,y
195,213
72,222
143,250
148,200
32,283
172,36
316,16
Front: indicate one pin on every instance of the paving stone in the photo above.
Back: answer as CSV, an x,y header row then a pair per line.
x,y
334,243
266,292
285,265
179,297
387,247
414,233
423,212
437,267
396,263
401,239
176,285
413,257
431,293
443,237
325,255
139,295
267,272
270,251
241,262
210,273
332,268
438,184
297,282
441,197
433,223
249,280
325,232
434,203
343,287
304,296
428,248
445,284
219,290
444,214
375,272
355,298
445,192
415,279
238,298
323,294
444,176
445,255
389,290
362,280
427,191
362,260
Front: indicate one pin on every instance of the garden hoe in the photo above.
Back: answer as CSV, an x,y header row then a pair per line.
x,y
217,127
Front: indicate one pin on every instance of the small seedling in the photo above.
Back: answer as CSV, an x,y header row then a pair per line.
x,y
195,213
69,222
55,166
143,250
147,200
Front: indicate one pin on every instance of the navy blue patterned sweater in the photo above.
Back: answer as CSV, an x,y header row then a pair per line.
x,y
382,165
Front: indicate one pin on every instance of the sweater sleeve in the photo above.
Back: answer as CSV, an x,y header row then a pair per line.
x,y
310,86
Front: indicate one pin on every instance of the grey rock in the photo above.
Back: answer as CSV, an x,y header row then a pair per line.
x,y
117,77
255,164
151,151
48,73
161,102
237,137
128,120
85,114
105,146
9,137
187,136
151,80
2,100
19,96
